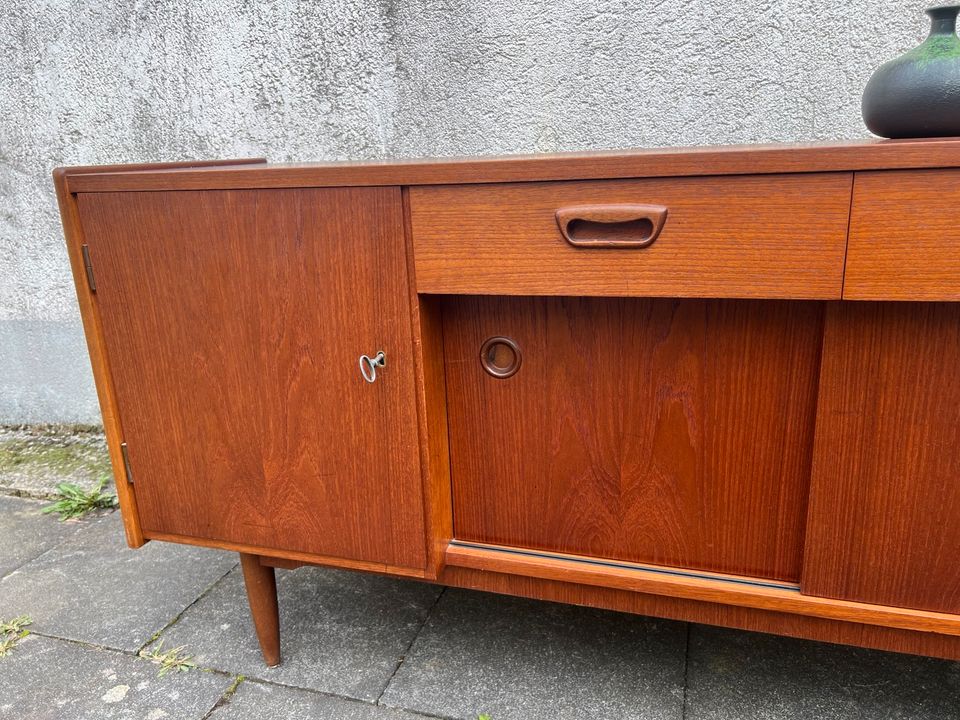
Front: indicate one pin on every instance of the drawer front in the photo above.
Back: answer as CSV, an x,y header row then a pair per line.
x,y
772,236
904,236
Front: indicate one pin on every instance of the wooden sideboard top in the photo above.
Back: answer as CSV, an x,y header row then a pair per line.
x,y
608,164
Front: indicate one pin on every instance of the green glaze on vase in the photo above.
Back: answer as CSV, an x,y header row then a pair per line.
x,y
918,94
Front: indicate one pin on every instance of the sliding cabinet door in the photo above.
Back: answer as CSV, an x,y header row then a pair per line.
x,y
884,518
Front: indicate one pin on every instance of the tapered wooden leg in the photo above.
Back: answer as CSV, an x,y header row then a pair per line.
x,y
262,595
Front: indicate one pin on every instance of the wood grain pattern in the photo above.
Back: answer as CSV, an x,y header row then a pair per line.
x,y
884,497
431,414
93,331
774,237
226,327
261,584
660,162
705,589
234,321
904,236
744,618
268,553
657,431
177,165
603,225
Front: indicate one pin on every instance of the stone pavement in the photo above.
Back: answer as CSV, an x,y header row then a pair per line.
x,y
369,648
33,460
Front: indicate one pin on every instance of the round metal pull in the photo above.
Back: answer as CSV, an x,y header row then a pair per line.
x,y
500,357
368,366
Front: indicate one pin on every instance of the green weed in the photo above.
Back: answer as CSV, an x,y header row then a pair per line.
x,y
75,502
11,632
171,660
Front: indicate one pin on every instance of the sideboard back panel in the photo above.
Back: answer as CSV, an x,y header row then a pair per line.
x,y
674,432
233,322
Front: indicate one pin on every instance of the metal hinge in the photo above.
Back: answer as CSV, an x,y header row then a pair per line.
x,y
88,266
126,462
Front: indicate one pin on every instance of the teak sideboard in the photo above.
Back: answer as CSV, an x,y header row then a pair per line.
x,y
719,385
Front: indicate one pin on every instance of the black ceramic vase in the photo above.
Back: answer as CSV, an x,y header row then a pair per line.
x,y
918,94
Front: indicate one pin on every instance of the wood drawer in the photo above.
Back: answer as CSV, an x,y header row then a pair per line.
x,y
904,236
770,236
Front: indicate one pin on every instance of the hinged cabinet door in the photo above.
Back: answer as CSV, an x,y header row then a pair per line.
x,y
234,323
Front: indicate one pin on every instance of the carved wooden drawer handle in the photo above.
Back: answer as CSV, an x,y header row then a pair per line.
x,y
611,226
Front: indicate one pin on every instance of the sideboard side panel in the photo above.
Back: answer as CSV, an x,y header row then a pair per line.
x,y
93,331
885,492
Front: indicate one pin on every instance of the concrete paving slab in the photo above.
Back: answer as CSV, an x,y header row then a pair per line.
x,y
34,460
341,632
94,589
518,659
751,676
48,679
275,702
26,533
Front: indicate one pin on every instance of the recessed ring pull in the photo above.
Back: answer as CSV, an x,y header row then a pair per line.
x,y
500,357
368,366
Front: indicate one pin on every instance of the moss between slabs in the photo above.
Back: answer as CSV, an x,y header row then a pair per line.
x,y
34,459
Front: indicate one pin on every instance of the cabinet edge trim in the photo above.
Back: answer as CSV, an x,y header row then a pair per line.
x,y
728,590
290,555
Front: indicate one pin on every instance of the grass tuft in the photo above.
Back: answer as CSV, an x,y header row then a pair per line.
x,y
75,502
233,687
12,632
172,660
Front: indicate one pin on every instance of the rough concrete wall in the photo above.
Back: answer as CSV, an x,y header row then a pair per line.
x,y
85,82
